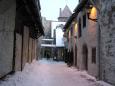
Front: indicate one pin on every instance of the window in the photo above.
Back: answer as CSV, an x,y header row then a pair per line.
x,y
79,30
84,21
71,31
75,29
94,55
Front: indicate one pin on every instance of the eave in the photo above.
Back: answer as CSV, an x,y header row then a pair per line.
x,y
36,16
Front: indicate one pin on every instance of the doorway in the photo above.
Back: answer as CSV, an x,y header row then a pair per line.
x,y
85,57
75,55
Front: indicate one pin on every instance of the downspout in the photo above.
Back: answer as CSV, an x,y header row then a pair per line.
x,y
98,50
14,51
99,47
14,43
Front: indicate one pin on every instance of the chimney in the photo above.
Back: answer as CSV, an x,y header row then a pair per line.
x,y
60,12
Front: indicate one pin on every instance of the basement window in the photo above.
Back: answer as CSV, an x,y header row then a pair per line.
x,y
94,55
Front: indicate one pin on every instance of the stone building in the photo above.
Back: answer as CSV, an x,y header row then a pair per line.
x,y
97,36
81,32
63,17
106,39
51,41
47,41
64,14
47,25
57,35
20,26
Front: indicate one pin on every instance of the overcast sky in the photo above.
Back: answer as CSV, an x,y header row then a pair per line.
x,y
50,8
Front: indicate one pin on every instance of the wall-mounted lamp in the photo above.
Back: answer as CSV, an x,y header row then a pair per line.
x,y
92,13
75,30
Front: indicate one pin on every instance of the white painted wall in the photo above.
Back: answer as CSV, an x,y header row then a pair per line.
x,y
59,37
59,33
54,24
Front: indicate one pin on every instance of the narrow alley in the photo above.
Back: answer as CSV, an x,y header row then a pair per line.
x,y
50,73
57,42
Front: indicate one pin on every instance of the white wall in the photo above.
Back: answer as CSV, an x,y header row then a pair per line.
x,y
54,24
59,37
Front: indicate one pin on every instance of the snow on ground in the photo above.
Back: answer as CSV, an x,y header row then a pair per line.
x,y
51,73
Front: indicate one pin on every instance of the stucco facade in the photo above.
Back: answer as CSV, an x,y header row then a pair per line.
x,y
85,43
81,42
82,39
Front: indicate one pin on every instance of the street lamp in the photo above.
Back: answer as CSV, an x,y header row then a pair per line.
x,y
92,13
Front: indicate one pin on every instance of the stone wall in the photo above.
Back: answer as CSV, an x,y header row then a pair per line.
x,y
25,45
33,48
30,50
107,27
16,46
7,25
18,52
25,50
38,48
47,27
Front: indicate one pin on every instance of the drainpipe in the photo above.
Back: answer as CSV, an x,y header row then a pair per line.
x,y
99,47
14,51
98,50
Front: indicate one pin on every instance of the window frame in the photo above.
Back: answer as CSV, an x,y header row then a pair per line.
x,y
94,55
84,20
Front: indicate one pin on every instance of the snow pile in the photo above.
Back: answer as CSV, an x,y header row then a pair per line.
x,y
84,74
25,78
88,77
102,83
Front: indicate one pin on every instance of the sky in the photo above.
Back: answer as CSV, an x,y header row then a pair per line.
x,y
50,8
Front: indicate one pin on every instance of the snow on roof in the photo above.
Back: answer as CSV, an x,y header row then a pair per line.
x,y
47,39
51,45
48,45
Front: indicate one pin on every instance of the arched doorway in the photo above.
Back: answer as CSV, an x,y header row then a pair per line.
x,y
75,55
85,57
71,57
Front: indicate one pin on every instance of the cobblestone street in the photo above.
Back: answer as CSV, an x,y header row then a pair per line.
x,y
50,73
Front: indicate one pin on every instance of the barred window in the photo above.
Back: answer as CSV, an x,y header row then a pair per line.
x,y
94,55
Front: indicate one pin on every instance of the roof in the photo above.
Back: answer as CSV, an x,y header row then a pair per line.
x,y
33,10
66,12
76,11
